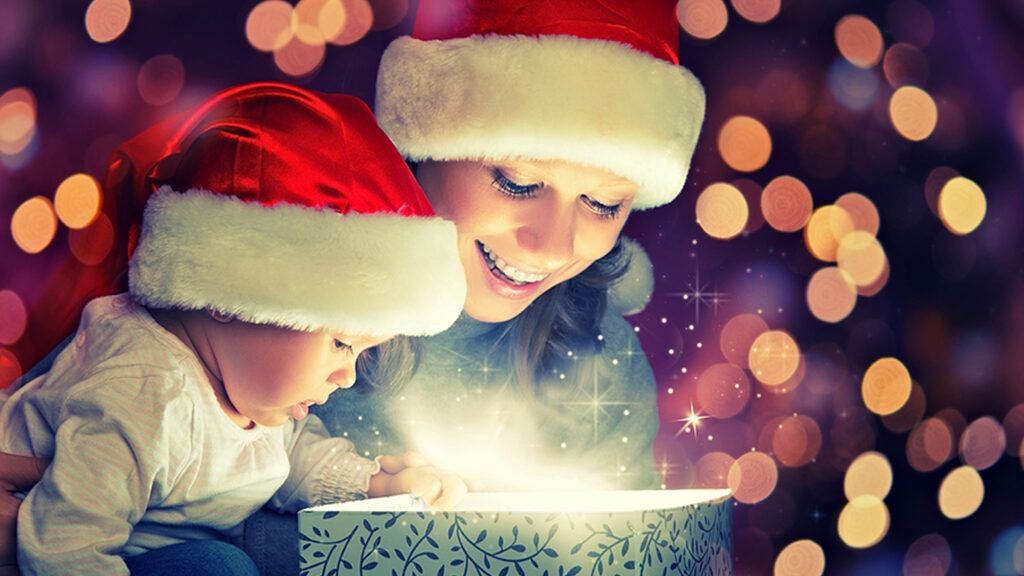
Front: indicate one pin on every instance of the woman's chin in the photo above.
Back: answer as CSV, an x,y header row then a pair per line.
x,y
493,308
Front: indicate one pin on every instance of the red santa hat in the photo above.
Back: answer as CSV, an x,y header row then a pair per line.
x,y
282,206
595,83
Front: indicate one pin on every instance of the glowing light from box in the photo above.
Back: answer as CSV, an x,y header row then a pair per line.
x,y
863,522
913,113
744,143
801,558
13,317
831,295
962,205
106,20
982,443
859,40
703,19
825,230
961,493
77,201
786,203
34,225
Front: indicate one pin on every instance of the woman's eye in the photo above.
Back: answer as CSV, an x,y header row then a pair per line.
x,y
603,210
512,188
339,345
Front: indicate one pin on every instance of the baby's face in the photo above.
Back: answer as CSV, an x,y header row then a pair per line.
x,y
271,373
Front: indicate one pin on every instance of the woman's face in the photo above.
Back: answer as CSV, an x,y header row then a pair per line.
x,y
525,225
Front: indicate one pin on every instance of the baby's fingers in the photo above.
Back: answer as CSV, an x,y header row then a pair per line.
x,y
453,490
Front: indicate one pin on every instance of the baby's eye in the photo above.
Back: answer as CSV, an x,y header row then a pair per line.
x,y
339,345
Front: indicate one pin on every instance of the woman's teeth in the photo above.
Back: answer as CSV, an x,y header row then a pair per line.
x,y
510,272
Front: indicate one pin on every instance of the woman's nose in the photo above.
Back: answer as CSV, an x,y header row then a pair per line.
x,y
549,236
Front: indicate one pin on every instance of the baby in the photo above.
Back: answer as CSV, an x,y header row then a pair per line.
x,y
283,238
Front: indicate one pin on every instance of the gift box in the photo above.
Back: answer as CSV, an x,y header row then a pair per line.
x,y
515,534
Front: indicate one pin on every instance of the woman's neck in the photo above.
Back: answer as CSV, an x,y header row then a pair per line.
x,y
190,330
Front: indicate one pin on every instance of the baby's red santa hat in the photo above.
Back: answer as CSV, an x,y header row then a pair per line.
x,y
283,206
595,83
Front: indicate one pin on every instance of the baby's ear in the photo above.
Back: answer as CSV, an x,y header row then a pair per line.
x,y
220,316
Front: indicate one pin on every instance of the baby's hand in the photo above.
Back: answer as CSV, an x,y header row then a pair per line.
x,y
411,474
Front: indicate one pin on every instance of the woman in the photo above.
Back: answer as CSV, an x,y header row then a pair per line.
x,y
536,127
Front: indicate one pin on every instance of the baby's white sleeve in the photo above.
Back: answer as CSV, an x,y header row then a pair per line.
x,y
108,452
324,469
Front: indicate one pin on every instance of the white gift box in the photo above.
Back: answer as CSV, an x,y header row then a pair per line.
x,y
520,533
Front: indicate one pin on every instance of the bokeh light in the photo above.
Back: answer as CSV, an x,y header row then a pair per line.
x,y
352,18
796,441
1013,424
904,419
861,210
17,120
161,79
913,113
10,368
13,317
744,143
876,286
905,64
703,19
34,225
831,294
269,25
752,477
297,58
930,445
863,522
757,11
962,205
77,200
982,443
861,258
723,390
786,204
738,336
801,558
713,470
92,244
961,493
826,228
388,13
886,386
774,357
106,20
871,474
929,555
933,184
722,211
859,40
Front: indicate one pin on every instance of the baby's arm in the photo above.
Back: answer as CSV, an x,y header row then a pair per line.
x,y
81,514
326,469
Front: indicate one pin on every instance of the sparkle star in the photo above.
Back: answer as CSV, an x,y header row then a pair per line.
x,y
692,422
699,295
